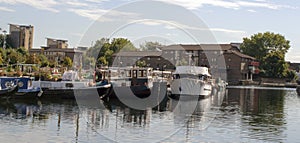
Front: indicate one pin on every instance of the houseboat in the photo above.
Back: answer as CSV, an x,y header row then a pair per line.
x,y
71,83
25,89
191,81
7,87
130,82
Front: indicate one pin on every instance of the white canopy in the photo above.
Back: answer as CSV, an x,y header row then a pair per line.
x,y
195,70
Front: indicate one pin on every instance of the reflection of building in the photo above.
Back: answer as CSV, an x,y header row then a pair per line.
x,y
21,36
220,58
57,50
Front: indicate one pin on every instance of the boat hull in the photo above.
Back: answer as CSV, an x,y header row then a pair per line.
x,y
129,92
190,87
73,93
8,91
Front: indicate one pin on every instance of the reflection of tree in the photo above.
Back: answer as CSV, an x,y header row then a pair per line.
x,y
261,109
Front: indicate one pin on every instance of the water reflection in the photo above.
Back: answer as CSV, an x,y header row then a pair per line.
x,y
261,110
240,115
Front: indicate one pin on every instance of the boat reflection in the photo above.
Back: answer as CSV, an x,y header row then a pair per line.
x,y
110,119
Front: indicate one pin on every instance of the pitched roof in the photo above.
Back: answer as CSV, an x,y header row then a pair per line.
x,y
138,53
199,47
240,54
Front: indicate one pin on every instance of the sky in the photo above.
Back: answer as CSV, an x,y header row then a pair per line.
x,y
82,22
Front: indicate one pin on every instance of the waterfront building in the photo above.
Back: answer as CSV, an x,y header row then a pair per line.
x,y
57,50
21,36
223,60
57,43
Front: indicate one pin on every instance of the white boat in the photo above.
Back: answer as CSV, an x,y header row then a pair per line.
x,y
191,81
70,83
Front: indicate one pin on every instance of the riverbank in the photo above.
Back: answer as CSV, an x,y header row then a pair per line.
x,y
274,83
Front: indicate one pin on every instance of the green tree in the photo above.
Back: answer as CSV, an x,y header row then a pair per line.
x,y
32,59
269,49
7,41
123,44
1,59
141,63
88,62
67,62
12,56
103,49
275,66
151,46
44,62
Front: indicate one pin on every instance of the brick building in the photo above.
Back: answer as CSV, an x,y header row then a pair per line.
x,y
56,51
21,36
223,60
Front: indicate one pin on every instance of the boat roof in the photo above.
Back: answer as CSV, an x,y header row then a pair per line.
x,y
196,70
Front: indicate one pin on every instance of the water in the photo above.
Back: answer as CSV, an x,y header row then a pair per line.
x,y
239,115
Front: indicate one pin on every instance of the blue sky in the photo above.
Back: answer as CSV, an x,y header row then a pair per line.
x,y
167,21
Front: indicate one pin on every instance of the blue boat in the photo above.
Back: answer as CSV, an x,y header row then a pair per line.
x,y
24,86
7,88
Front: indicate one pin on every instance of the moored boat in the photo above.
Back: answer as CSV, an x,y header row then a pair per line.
x,y
191,81
71,85
7,87
25,89
130,82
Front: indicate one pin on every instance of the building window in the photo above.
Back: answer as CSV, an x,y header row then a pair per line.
x,y
229,59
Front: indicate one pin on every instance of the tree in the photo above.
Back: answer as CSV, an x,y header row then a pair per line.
x,y
123,44
151,46
141,63
259,45
67,62
7,41
32,59
269,49
44,62
103,49
1,59
275,66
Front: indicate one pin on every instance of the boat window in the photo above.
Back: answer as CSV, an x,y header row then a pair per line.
x,y
128,73
203,77
141,73
114,74
176,76
134,73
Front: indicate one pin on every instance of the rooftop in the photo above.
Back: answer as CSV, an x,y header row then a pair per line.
x,y
200,47
139,53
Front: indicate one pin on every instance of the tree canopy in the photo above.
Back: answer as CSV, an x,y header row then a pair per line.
x,y
151,46
67,62
104,49
269,49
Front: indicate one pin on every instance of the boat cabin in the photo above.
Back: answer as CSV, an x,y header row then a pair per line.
x,y
193,72
128,76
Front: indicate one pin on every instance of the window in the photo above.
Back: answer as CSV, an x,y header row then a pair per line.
x,y
229,59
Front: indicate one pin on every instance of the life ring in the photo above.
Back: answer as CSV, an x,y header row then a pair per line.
x,y
9,84
20,84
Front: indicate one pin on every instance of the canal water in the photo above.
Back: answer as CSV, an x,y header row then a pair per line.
x,y
239,114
